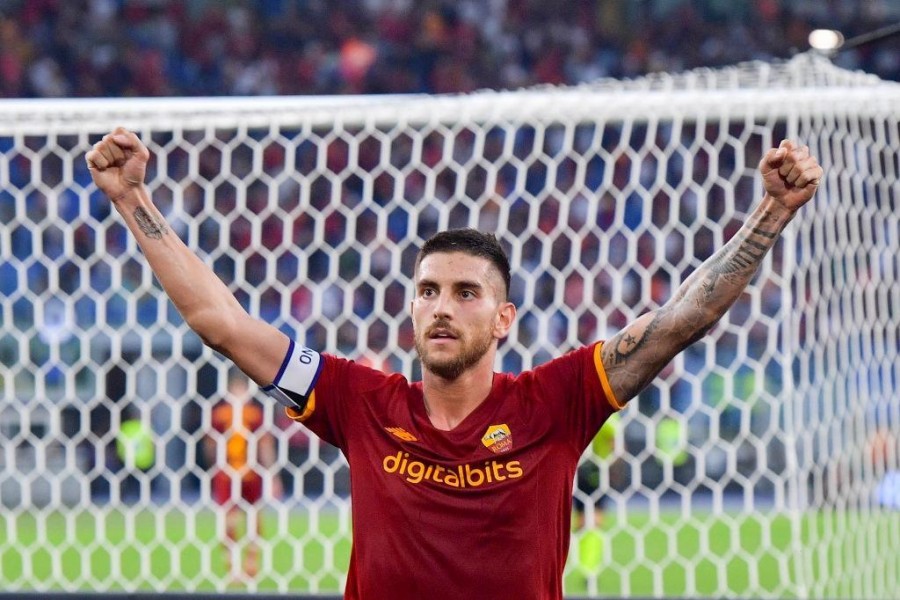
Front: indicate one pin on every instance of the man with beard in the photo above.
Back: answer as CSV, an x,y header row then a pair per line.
x,y
461,484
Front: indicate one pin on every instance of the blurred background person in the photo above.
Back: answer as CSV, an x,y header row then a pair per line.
x,y
243,455
136,452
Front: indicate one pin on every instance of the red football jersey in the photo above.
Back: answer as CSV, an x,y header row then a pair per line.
x,y
481,511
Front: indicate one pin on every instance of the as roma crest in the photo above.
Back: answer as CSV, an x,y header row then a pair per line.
x,y
498,438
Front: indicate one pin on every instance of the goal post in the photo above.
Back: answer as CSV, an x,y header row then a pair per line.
x,y
765,461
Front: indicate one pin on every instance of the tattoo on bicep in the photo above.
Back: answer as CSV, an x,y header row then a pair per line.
x,y
151,227
626,343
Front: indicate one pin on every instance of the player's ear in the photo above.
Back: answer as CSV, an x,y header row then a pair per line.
x,y
506,315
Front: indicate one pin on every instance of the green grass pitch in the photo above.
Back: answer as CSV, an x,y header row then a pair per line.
x,y
722,555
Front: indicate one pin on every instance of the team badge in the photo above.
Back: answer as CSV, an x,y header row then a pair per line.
x,y
498,438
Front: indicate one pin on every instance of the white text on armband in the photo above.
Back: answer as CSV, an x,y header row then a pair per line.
x,y
297,377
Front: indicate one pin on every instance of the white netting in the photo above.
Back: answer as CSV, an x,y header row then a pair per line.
x,y
783,420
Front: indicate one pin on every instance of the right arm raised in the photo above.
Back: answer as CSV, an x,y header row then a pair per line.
x,y
118,164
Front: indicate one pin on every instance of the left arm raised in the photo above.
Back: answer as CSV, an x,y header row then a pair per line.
x,y
635,355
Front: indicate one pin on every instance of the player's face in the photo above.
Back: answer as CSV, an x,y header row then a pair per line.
x,y
459,312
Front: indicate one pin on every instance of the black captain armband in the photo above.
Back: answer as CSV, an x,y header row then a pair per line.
x,y
296,378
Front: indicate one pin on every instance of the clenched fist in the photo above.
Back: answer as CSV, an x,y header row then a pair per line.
x,y
118,163
790,174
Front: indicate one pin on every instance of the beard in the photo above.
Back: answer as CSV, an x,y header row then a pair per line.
x,y
452,367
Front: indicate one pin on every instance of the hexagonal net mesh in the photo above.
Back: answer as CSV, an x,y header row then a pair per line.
x,y
762,462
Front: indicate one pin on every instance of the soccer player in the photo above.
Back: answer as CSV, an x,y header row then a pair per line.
x,y
237,484
461,483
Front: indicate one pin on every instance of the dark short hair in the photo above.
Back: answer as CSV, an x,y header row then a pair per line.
x,y
472,242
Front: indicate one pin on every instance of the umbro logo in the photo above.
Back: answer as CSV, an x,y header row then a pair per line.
x,y
401,433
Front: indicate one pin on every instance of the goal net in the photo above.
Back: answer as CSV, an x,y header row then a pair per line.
x,y
762,462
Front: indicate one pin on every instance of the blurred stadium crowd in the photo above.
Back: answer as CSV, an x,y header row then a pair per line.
x,y
111,48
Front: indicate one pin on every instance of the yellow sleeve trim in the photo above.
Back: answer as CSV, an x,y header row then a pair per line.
x,y
604,380
296,415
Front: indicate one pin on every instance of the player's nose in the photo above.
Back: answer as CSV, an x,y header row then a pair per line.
x,y
442,306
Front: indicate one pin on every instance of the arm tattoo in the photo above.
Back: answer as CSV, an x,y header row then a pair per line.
x,y
635,355
151,227
747,255
708,286
743,254
627,343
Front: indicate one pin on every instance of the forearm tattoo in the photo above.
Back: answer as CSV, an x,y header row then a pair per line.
x,y
743,255
152,228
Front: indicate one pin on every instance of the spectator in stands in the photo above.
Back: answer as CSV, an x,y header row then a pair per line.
x,y
205,47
